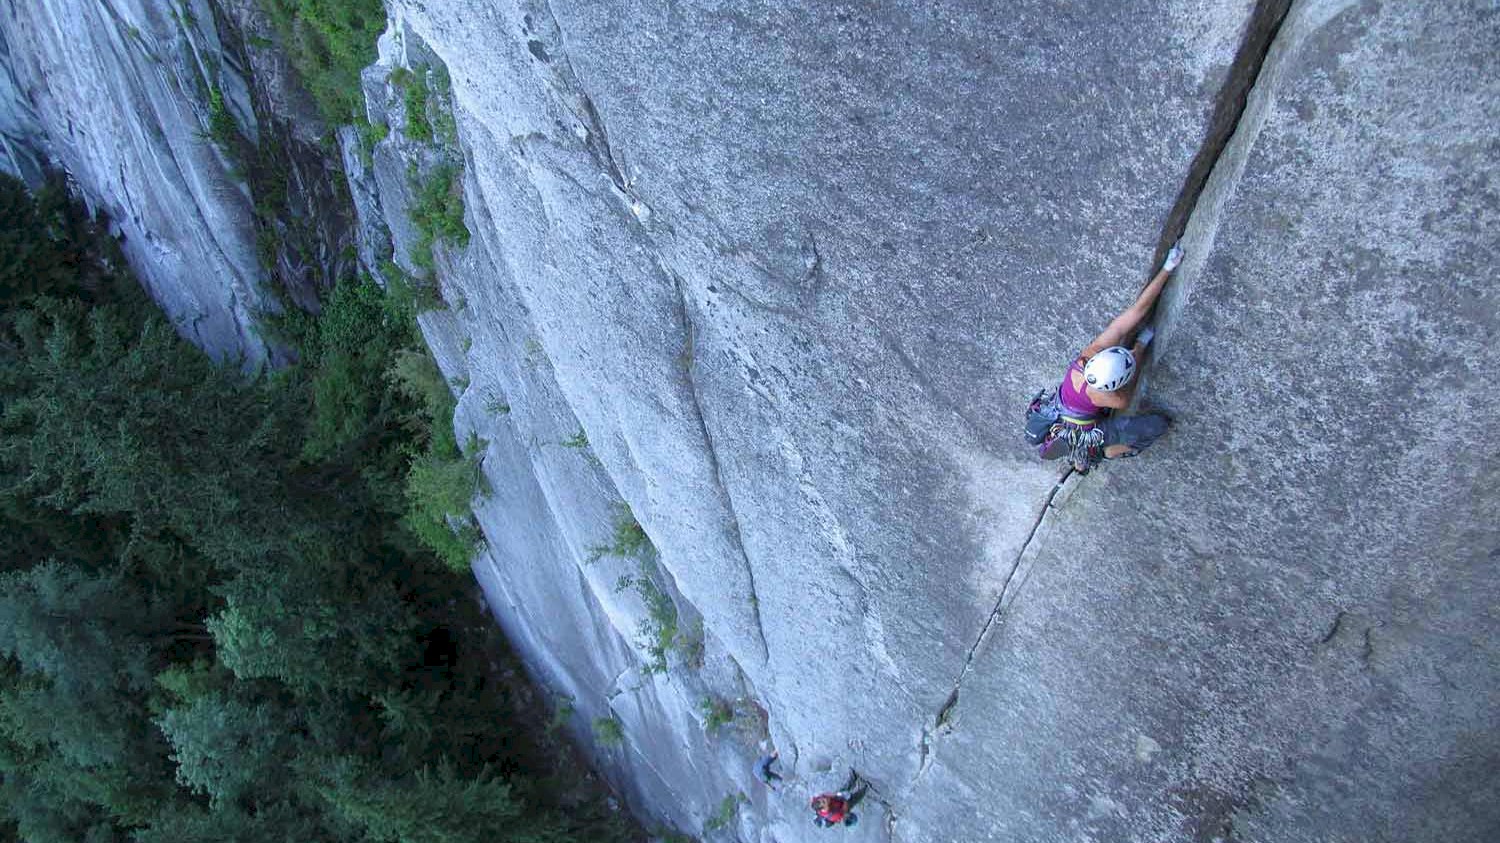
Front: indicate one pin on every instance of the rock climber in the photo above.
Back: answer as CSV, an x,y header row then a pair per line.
x,y
763,770
1079,422
837,808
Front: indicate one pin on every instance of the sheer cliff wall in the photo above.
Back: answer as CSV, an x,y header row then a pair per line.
x,y
777,278
793,269
195,142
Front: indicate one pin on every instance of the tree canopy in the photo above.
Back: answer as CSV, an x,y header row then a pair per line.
x,y
216,622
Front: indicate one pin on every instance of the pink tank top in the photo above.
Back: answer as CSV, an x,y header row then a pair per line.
x,y
1075,401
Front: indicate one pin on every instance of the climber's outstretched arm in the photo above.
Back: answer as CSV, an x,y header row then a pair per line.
x,y
1126,324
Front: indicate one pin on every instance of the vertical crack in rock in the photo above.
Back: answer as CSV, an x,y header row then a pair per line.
x,y
596,140
599,144
613,689
941,722
1275,28
690,366
1333,630
814,278
1265,23
582,105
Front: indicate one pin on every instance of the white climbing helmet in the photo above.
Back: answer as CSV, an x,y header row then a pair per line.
x,y
1110,369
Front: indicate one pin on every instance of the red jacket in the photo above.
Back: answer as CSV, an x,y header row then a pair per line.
x,y
834,808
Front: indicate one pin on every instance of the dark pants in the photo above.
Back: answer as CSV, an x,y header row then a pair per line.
x,y
1136,431
854,789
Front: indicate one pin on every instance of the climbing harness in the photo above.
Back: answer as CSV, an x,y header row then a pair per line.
x,y
1048,427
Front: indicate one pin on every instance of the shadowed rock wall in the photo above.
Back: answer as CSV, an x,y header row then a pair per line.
x,y
119,91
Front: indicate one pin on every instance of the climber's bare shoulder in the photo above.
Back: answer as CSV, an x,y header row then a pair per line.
x,y
1117,400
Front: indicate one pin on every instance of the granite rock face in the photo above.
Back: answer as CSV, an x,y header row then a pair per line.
x,y
118,90
21,134
775,280
1277,626
792,269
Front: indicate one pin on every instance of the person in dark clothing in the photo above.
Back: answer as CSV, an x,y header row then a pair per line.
x,y
763,770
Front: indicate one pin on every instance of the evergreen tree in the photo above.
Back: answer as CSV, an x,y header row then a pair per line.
x,y
107,418
80,648
186,822
227,747
439,806
50,246
213,626
314,628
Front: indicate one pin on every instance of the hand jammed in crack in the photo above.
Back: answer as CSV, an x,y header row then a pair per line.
x,y
1080,423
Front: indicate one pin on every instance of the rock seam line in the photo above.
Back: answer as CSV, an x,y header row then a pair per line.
x,y
597,142
1294,26
598,138
1266,20
1235,99
690,366
930,733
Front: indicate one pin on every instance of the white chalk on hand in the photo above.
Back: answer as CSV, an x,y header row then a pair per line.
x,y
1174,258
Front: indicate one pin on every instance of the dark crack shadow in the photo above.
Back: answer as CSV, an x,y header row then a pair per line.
x,y
946,718
690,367
1229,107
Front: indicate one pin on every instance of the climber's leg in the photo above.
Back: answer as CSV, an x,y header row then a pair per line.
x,y
1126,436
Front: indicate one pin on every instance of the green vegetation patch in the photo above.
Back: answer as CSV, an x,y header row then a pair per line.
x,y
562,715
409,295
659,629
443,123
330,42
716,713
628,538
370,136
355,340
442,480
214,622
427,99
438,492
222,127
437,213
729,808
608,732
414,96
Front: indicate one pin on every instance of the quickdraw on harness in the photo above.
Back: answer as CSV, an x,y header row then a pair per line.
x,y
1085,438
1047,426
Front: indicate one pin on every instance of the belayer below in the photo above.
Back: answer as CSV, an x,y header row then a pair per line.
x,y
770,778
1077,420
837,808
